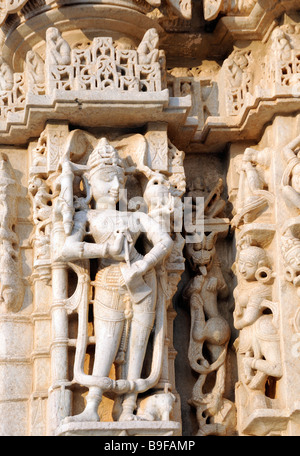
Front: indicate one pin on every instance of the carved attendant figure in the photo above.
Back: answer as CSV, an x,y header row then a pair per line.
x,y
258,342
253,195
290,183
125,286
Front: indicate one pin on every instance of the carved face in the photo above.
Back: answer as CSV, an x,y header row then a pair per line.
x,y
249,261
295,181
106,185
294,260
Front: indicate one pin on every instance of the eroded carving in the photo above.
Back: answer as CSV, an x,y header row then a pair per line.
x,y
238,74
283,60
11,280
212,8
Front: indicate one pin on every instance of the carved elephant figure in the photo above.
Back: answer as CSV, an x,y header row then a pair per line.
x,y
157,407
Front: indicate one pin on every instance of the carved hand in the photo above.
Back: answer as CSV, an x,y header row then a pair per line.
x,y
137,269
116,247
247,362
212,284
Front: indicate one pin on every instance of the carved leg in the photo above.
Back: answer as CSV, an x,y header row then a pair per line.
x,y
108,336
141,327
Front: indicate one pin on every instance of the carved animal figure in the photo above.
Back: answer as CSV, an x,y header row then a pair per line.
x,y
157,407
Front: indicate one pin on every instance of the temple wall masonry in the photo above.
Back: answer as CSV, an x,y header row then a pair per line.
x,y
150,218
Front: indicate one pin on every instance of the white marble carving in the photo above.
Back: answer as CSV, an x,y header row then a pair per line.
x,y
11,280
210,332
256,316
131,291
253,196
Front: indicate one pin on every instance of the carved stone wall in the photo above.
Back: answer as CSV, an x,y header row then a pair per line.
x,y
150,218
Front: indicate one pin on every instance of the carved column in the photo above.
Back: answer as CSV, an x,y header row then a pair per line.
x,y
267,238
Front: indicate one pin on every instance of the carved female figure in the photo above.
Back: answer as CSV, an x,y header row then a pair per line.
x,y
258,342
290,183
253,195
125,286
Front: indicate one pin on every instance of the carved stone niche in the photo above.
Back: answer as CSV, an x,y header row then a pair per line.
x,y
113,274
210,332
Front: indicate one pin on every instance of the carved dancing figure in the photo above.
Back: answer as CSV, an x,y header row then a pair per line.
x,y
125,286
253,196
256,317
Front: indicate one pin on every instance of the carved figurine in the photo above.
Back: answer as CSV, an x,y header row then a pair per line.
x,y
290,250
209,329
238,80
35,72
157,407
11,280
58,50
181,7
125,287
256,317
253,196
148,48
213,203
237,7
280,45
290,182
6,76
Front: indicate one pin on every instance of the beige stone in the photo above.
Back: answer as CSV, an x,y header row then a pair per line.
x,y
149,218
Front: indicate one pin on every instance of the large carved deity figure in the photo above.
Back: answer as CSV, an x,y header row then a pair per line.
x,y
126,302
256,317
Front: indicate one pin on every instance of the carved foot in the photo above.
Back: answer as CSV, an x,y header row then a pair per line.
x,y
86,415
130,417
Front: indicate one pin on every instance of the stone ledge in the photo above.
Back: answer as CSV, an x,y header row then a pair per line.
x,y
125,428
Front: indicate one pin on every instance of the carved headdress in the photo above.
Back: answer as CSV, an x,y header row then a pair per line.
x,y
290,247
104,156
